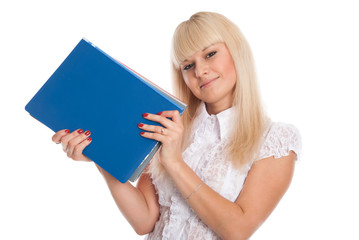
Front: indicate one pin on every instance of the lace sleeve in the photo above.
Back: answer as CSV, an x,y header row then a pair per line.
x,y
280,139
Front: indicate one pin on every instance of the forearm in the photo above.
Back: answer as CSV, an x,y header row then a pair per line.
x,y
131,202
221,215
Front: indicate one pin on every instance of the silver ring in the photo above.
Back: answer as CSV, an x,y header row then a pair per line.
x,y
162,131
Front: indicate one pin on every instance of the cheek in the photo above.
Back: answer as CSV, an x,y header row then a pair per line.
x,y
185,78
190,82
230,70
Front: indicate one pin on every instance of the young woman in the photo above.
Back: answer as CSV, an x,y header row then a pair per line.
x,y
224,165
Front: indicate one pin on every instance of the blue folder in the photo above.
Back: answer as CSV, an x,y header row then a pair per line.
x,y
92,91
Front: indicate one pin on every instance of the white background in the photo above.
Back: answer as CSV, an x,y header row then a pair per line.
x,y
307,59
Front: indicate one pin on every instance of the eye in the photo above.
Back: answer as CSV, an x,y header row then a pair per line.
x,y
189,66
211,54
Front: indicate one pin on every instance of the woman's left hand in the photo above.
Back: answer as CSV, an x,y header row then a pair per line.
x,y
169,134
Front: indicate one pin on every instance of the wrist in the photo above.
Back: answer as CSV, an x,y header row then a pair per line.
x,y
184,177
174,165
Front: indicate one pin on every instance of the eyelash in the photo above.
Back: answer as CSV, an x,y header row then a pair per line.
x,y
188,67
209,55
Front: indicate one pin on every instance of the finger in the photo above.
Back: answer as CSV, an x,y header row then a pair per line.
x,y
77,152
56,138
65,139
75,141
160,119
151,128
155,136
174,115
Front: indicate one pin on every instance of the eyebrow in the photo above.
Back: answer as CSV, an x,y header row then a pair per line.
x,y
204,49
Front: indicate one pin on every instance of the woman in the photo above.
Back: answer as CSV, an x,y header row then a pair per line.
x,y
223,166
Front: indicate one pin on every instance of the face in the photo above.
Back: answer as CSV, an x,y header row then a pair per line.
x,y
211,76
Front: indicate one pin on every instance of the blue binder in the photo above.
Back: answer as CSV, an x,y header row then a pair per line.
x,y
92,91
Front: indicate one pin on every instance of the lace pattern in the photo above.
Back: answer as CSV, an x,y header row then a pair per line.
x,y
280,139
205,156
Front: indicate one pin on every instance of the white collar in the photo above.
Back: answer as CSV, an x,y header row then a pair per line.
x,y
224,118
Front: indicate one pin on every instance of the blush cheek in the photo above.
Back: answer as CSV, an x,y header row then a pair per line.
x,y
185,78
230,70
193,86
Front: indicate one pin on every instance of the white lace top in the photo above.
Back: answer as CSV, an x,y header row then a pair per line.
x,y
205,156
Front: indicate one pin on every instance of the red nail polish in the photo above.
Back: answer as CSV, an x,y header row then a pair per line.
x,y
89,139
159,113
145,114
140,124
80,131
142,133
87,133
67,131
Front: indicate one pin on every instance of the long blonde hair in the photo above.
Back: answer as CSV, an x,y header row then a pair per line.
x,y
200,31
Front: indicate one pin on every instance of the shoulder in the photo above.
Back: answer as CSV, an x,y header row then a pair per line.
x,y
279,139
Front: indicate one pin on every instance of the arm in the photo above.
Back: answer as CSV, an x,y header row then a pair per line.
x,y
138,204
265,185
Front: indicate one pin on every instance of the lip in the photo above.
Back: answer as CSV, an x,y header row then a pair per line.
x,y
207,83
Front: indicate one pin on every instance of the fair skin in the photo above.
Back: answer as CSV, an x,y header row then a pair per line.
x,y
210,74
211,77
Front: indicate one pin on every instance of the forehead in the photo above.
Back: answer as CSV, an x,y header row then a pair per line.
x,y
189,39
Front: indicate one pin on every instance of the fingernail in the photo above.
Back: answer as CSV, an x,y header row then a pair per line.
x,y
67,131
159,113
142,133
145,114
80,131
87,133
140,125
89,139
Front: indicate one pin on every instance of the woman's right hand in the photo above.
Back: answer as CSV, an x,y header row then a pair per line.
x,y
73,143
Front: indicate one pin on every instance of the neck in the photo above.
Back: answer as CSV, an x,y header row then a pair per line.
x,y
215,108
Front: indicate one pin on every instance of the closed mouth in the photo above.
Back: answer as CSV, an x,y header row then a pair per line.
x,y
208,82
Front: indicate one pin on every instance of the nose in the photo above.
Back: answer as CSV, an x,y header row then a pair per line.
x,y
201,69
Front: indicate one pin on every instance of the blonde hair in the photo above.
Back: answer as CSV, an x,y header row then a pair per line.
x,y
200,31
